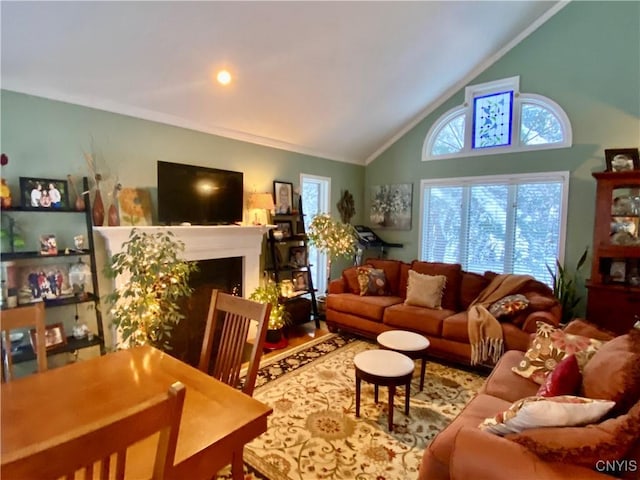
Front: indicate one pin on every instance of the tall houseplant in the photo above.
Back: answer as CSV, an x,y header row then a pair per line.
x,y
279,317
565,287
332,237
145,308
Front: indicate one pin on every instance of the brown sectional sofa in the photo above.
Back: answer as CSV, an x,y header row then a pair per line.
x,y
463,451
446,328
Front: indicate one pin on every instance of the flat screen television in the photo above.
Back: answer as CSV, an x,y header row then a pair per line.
x,y
198,195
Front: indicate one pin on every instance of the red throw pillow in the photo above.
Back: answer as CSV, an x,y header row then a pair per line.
x,y
565,379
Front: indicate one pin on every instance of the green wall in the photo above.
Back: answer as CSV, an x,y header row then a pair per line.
x,y
587,59
45,138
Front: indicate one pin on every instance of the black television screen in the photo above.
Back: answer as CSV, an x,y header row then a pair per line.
x,y
198,195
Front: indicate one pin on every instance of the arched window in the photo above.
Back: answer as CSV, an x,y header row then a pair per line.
x,y
497,118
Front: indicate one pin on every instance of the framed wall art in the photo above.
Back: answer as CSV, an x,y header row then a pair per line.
x,y
283,197
622,159
391,206
44,193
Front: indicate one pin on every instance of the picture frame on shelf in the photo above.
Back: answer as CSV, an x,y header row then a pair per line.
x,y
622,159
627,225
285,226
44,193
37,282
618,271
298,256
283,197
300,281
48,245
53,336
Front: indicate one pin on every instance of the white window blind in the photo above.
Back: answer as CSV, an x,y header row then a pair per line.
x,y
505,224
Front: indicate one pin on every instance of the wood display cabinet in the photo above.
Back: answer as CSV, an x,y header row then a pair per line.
x,y
62,276
614,287
288,264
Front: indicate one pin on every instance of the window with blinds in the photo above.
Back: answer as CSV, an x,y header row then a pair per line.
x,y
505,224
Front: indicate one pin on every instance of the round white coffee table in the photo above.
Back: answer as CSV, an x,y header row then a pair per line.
x,y
386,368
411,344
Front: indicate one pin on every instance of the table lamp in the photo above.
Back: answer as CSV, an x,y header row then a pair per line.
x,y
260,201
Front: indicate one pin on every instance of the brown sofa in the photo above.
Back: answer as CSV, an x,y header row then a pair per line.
x,y
463,451
445,328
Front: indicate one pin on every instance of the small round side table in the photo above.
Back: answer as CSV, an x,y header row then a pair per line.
x,y
411,344
386,368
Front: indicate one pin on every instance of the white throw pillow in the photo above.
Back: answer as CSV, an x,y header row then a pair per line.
x,y
425,290
536,412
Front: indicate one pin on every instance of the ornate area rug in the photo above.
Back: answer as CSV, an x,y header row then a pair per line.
x,y
314,434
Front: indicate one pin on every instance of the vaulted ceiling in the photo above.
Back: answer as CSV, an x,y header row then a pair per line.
x,y
340,80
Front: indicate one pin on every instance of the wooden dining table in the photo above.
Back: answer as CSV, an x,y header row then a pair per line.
x,y
217,420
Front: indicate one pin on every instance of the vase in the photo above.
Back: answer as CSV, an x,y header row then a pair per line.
x,y
98,209
113,217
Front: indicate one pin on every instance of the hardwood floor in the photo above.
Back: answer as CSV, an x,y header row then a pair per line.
x,y
300,334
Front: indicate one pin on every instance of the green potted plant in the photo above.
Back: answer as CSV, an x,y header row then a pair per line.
x,y
279,317
336,239
146,307
565,287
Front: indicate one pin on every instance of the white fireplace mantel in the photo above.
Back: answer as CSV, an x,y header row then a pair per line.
x,y
205,242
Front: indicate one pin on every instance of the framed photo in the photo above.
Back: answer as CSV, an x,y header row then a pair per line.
x,y
44,193
622,159
627,225
298,256
53,336
283,197
285,226
48,245
38,282
300,281
618,271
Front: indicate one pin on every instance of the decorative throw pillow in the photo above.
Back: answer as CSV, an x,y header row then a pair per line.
x,y
550,345
350,276
509,305
565,379
605,441
536,412
425,290
613,373
372,281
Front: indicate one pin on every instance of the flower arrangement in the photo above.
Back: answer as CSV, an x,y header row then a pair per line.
x,y
332,237
270,293
146,308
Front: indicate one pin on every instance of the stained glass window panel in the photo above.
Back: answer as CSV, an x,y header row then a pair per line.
x,y
492,120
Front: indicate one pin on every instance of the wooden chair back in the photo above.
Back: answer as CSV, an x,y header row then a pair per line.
x,y
23,317
225,338
99,450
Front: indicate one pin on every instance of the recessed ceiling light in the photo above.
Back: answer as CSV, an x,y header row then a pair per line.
x,y
224,77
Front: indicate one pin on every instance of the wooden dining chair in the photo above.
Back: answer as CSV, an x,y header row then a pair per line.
x,y
23,317
225,338
100,448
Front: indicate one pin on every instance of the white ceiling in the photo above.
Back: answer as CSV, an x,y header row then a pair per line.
x,y
340,80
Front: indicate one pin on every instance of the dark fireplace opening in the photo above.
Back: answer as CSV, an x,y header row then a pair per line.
x,y
224,274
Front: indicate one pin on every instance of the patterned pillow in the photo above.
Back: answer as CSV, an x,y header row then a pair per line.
x,y
536,412
372,281
548,348
509,305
